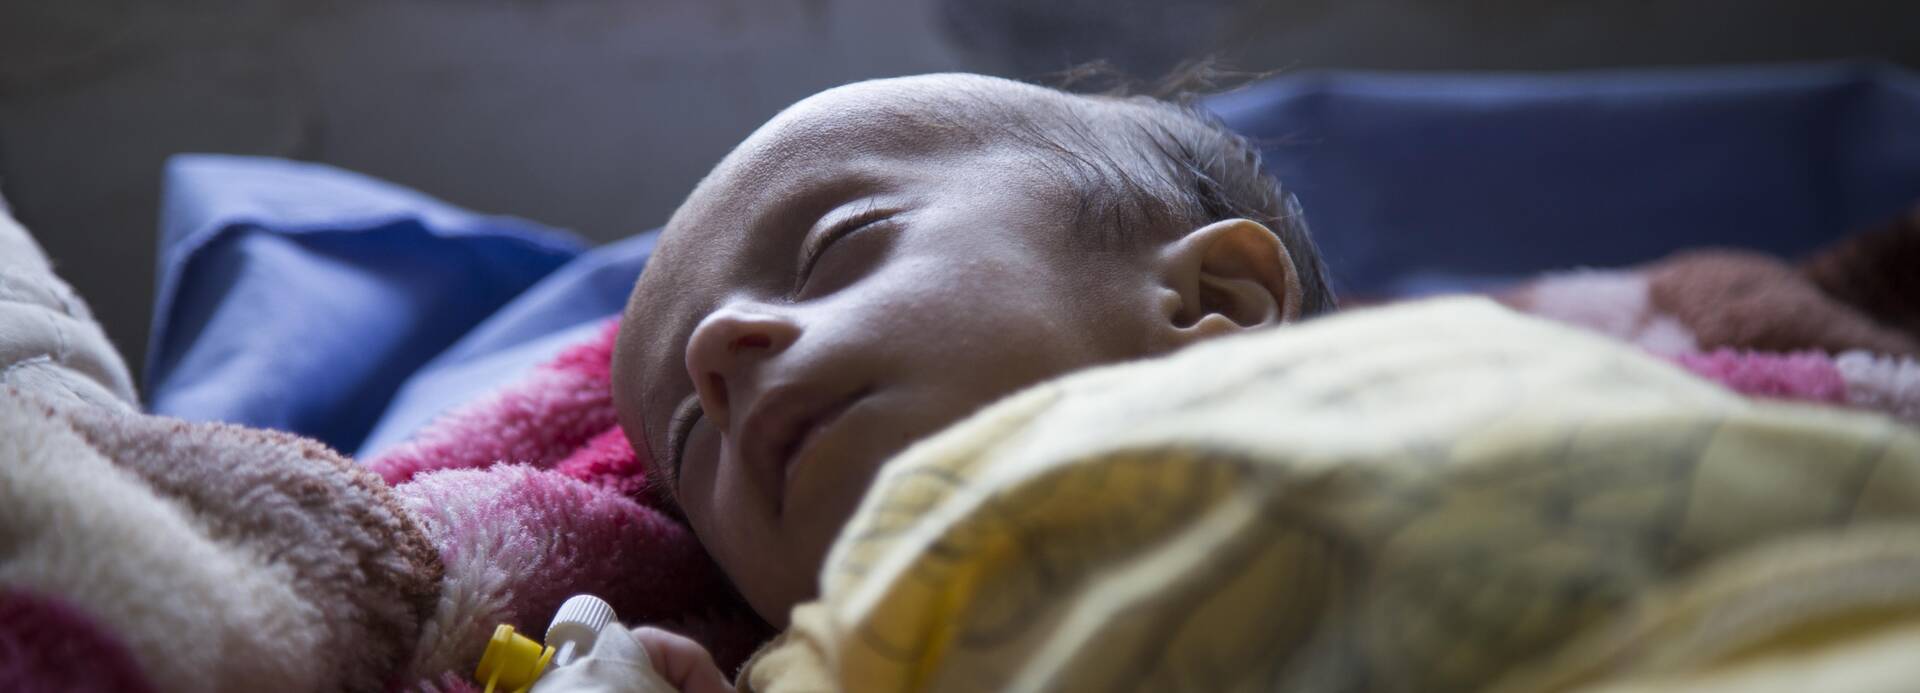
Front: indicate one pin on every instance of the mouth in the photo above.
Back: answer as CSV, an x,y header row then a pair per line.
x,y
783,428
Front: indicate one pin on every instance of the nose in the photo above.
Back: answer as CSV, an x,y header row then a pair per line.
x,y
727,348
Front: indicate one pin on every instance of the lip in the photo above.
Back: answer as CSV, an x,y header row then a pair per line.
x,y
783,427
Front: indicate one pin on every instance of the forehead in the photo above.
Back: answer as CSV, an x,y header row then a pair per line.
x,y
832,146
862,125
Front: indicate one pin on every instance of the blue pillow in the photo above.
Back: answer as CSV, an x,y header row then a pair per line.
x,y
1411,177
299,297
561,310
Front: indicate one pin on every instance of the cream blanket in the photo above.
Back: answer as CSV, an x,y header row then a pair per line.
x,y
1440,496
144,553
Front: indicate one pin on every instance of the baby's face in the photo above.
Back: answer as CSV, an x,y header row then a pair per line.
x,y
864,270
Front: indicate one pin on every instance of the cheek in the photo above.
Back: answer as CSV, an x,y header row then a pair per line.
x,y
965,332
739,532
965,298
709,495
699,461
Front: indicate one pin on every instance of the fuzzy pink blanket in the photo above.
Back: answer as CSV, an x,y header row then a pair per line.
x,y
533,495
1841,328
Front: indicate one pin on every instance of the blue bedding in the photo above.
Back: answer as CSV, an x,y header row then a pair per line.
x,y
305,298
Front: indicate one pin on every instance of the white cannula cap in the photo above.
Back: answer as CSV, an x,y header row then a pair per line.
x,y
577,626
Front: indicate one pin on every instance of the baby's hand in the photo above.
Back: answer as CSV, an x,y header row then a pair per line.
x,y
642,660
683,662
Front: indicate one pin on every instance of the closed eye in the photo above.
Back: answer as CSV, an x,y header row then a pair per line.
x,y
679,429
816,247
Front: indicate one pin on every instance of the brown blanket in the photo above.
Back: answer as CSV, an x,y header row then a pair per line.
x,y
1862,293
1852,309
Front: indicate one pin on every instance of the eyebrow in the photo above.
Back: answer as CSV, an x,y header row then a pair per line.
x,y
808,200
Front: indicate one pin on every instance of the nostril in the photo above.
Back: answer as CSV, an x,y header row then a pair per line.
x,y
752,341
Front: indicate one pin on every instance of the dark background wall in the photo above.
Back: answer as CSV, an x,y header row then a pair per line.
x,y
599,115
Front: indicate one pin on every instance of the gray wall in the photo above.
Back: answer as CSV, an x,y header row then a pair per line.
x,y
598,115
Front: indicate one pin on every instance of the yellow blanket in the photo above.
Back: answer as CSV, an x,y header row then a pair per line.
x,y
1440,496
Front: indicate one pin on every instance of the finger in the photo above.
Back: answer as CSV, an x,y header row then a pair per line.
x,y
683,662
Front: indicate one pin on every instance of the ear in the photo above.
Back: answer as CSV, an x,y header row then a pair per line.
x,y
1229,276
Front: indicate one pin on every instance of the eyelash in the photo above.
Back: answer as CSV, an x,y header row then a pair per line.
x,y
679,429
863,219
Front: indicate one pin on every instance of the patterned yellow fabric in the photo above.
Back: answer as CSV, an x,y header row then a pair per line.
x,y
1441,496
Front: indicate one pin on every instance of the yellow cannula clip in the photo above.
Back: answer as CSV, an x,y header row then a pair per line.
x,y
512,661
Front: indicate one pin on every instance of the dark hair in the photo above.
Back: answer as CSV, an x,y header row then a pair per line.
x,y
1146,166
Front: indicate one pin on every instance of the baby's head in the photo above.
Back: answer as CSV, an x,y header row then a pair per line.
x,y
885,258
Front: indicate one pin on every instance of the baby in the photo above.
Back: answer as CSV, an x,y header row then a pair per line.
x,y
883,259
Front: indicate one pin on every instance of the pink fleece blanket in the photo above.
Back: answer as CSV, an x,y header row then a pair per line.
x,y
533,495
1841,328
